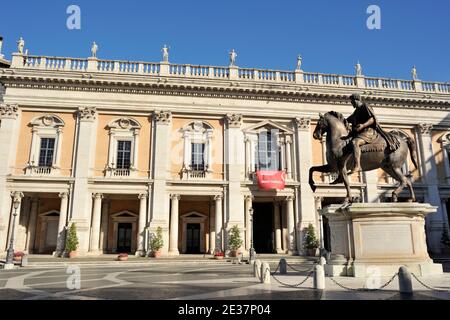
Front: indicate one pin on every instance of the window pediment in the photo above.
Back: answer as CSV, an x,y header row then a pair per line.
x,y
267,125
47,121
124,124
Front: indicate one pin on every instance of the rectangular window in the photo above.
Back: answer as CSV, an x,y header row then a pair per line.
x,y
123,154
267,153
46,152
197,156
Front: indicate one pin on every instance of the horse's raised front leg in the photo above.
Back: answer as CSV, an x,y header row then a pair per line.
x,y
324,169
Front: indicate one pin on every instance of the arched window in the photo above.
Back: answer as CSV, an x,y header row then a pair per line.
x,y
197,144
46,142
123,147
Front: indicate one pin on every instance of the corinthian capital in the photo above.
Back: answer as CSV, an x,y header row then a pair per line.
x,y
303,123
9,111
234,120
87,113
162,117
425,128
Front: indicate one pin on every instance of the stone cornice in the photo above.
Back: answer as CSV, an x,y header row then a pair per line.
x,y
229,90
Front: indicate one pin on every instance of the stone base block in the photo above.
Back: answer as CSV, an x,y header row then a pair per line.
x,y
370,239
8,266
383,270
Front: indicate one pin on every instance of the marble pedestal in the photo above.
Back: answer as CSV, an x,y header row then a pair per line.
x,y
369,239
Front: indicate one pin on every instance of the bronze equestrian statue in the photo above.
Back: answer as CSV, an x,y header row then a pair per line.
x,y
363,148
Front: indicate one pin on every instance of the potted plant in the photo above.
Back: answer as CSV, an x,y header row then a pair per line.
x,y
18,256
218,255
72,241
122,257
311,242
156,243
235,241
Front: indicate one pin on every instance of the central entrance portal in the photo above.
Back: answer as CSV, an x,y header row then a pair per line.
x,y
263,227
124,237
193,238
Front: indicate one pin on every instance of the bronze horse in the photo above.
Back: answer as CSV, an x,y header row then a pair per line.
x,y
376,155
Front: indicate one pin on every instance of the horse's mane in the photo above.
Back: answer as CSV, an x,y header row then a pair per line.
x,y
340,117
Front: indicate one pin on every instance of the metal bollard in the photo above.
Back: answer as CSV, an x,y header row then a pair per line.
x,y
319,277
404,280
283,266
265,273
322,261
257,269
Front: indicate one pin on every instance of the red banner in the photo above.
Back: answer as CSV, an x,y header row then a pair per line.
x,y
268,180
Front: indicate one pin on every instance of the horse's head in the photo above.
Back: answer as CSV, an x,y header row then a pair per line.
x,y
321,127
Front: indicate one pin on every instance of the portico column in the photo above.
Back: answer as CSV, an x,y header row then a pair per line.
x,y
62,223
32,224
318,203
277,221
212,230
96,219
173,232
104,225
142,223
290,224
248,226
218,222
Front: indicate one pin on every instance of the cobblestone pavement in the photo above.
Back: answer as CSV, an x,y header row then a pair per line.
x,y
190,281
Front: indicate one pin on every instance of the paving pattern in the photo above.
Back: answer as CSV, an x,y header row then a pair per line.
x,y
189,281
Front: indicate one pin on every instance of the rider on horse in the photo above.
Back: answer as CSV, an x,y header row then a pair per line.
x,y
365,130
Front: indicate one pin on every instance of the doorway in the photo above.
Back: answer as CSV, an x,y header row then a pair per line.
x,y
124,232
193,238
263,235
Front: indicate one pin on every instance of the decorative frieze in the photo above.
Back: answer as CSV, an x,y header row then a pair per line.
x,y
303,123
234,120
9,111
162,117
87,113
425,128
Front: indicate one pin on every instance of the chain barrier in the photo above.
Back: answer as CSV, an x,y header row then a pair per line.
x,y
427,286
310,273
294,285
364,289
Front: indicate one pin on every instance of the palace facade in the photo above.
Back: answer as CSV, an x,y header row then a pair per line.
x,y
120,148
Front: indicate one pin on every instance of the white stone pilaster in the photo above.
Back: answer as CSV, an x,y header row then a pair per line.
x,y
234,163
371,180
306,205
81,203
9,133
161,159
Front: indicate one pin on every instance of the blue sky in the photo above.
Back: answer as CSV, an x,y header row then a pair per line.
x,y
331,35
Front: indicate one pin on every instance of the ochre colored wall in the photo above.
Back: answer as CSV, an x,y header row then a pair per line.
x,y
24,143
102,145
177,147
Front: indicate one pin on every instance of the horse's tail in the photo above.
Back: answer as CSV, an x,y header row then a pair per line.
x,y
412,150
